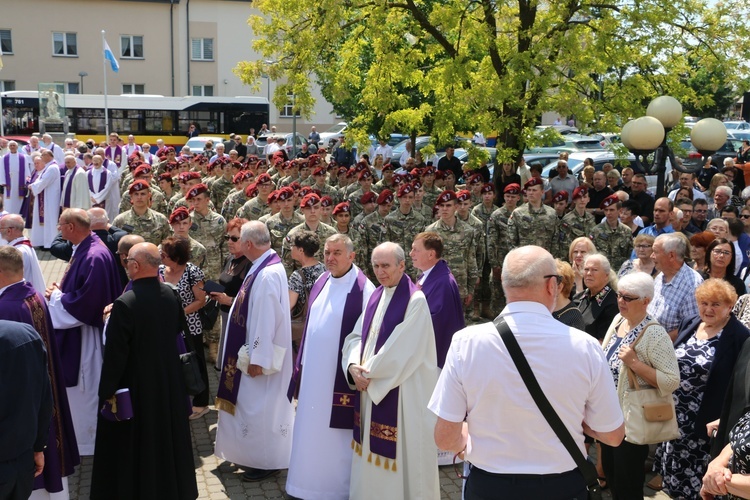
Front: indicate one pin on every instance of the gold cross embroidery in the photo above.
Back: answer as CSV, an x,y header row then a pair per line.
x,y
344,400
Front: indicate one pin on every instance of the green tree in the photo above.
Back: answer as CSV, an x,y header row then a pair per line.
x,y
449,66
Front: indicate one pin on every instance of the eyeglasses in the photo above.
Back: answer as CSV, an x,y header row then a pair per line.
x,y
234,239
627,298
556,276
127,260
745,216
717,252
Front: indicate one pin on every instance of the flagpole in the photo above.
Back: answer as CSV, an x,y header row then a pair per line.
x,y
106,107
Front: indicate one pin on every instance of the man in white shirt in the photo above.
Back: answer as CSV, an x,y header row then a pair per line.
x,y
57,151
385,151
485,410
405,155
75,188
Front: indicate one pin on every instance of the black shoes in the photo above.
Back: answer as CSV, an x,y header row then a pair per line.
x,y
254,475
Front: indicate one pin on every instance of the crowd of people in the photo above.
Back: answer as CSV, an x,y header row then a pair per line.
x,y
273,264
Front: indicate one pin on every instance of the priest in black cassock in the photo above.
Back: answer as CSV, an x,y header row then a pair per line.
x,y
151,455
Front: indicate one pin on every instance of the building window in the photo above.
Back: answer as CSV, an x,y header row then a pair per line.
x,y
203,90
133,88
131,47
202,49
64,44
6,43
7,85
286,112
73,87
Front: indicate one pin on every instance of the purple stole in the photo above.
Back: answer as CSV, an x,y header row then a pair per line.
x,y
69,189
342,404
30,218
384,418
102,184
229,383
24,241
117,157
21,303
22,189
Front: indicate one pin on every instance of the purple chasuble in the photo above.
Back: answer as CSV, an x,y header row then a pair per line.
x,y
66,196
22,189
20,302
384,418
90,283
115,156
441,291
342,404
229,383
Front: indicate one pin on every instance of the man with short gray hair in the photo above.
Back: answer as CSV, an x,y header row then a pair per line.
x,y
479,393
11,230
674,290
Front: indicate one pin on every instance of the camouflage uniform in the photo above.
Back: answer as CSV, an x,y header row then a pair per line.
x,y
279,227
459,251
372,232
220,188
355,206
499,229
152,225
379,186
402,229
182,202
426,211
479,240
158,202
197,253
431,196
233,203
323,231
529,226
254,209
326,191
574,226
484,293
616,244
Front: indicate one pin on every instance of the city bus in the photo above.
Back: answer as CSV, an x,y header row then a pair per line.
x,y
147,117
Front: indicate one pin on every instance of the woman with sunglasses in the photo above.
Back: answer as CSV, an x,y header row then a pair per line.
x,y
720,264
654,363
232,275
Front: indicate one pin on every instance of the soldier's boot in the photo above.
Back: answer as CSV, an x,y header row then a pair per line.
x,y
476,310
213,352
487,311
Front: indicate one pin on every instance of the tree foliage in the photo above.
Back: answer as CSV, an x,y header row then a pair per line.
x,y
447,66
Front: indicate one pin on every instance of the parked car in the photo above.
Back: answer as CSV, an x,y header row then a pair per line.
x,y
22,140
693,159
737,125
331,135
570,143
263,141
463,157
198,144
561,129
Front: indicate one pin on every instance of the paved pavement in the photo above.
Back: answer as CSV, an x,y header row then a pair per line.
x,y
216,478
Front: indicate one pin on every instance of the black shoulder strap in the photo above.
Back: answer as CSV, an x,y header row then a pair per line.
x,y
587,468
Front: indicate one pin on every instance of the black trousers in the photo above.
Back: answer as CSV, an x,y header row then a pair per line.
x,y
624,468
483,485
17,477
200,399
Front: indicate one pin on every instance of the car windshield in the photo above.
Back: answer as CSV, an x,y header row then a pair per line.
x,y
196,143
588,144
336,129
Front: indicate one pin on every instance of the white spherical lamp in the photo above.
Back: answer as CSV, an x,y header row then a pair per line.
x,y
666,109
708,135
643,134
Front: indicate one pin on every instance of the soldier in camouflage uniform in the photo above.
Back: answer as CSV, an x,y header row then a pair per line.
x,y
149,224
238,197
158,203
326,203
612,238
166,185
319,176
387,181
560,206
576,223
221,187
365,186
186,181
499,223
533,223
463,213
474,185
181,222
343,218
280,224
310,207
459,248
369,204
419,205
431,192
404,223
274,203
372,232
258,206
483,212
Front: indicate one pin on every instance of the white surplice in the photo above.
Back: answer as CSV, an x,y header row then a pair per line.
x,y
322,456
259,434
407,360
79,193
110,192
49,182
32,271
20,169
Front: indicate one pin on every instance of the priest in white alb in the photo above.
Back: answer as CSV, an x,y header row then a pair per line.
x,y
15,169
11,230
256,420
390,358
44,204
104,187
75,188
321,449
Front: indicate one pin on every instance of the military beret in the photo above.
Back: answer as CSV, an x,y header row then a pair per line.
x,y
463,195
397,179
142,169
404,189
341,170
249,174
139,185
200,159
609,201
429,170
364,174
360,166
238,177
326,201
388,168
189,176
534,181
561,195
407,177
342,208
295,186
351,172
169,149
416,185
415,172
580,192
446,196
369,197
166,176
319,171
512,188
272,196
285,193
179,214
171,165
476,179
305,191
263,178
386,196
309,200
196,190
251,190
487,188
439,175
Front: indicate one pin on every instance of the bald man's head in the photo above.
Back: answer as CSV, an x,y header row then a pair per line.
x,y
12,227
99,218
528,274
143,261
127,242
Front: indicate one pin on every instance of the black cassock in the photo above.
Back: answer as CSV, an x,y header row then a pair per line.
x,y
150,456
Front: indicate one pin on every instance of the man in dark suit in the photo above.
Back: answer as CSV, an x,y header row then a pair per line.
x,y
109,234
149,456
25,388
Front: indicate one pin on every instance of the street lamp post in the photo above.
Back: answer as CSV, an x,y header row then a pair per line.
x,y
648,134
82,74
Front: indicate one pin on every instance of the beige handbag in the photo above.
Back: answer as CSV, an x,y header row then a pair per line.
x,y
649,417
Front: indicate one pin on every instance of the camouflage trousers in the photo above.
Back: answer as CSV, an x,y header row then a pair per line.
x,y
484,290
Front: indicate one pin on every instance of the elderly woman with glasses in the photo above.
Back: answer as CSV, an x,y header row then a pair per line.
x,y
643,244
654,363
720,259
706,346
597,303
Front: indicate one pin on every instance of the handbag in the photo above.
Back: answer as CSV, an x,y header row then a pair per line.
x,y
191,372
209,314
550,415
649,416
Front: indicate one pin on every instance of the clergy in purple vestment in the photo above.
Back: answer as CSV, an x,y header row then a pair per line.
x,y
20,302
440,288
76,305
